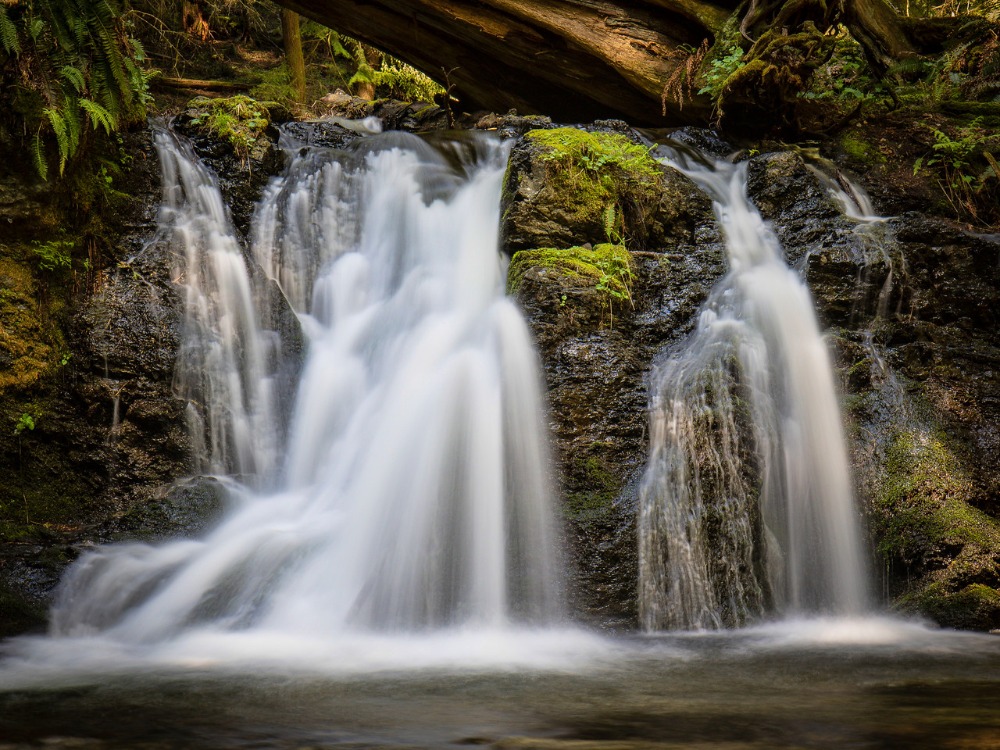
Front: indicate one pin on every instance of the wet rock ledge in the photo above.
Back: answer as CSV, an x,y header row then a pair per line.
x,y
612,255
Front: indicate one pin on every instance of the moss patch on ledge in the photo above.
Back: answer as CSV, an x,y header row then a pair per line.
x,y
923,518
601,175
238,120
606,267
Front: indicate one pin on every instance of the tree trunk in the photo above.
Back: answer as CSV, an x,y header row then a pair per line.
x,y
291,36
583,59
372,61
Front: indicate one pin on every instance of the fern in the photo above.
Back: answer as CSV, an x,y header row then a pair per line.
x,y
8,33
38,155
74,76
99,116
86,69
58,123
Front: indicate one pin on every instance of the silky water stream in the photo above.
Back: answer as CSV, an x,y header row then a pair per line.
x,y
388,572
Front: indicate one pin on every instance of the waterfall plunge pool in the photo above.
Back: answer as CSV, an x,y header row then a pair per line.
x,y
865,683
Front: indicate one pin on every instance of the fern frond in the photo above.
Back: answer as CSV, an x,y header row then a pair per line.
x,y
74,123
8,33
138,51
99,116
74,76
36,27
38,155
58,123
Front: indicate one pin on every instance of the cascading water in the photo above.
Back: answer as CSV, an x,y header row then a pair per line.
x,y
746,505
409,490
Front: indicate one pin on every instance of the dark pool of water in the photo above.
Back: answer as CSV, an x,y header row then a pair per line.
x,y
772,688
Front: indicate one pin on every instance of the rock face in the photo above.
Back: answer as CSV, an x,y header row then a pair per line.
x,y
912,308
93,439
596,341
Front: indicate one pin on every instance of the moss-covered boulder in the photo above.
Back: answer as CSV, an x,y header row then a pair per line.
x,y
567,187
600,312
926,524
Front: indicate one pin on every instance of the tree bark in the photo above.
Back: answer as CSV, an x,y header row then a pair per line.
x,y
291,36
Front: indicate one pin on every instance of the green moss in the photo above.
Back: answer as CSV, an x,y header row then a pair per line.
x,y
923,503
602,176
975,607
238,120
28,341
602,486
607,267
860,150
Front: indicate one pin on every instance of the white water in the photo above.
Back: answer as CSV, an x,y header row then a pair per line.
x,y
409,492
747,504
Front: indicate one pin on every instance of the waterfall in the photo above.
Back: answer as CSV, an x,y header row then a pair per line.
x,y
406,487
747,505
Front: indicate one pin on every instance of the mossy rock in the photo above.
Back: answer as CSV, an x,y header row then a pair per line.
x,y
975,607
28,341
568,187
923,519
237,120
606,268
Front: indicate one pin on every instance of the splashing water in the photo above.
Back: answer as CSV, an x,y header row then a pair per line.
x,y
746,505
409,490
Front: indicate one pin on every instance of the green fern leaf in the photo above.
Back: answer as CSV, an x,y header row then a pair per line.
x,y
74,76
8,33
138,51
35,28
58,123
99,116
38,154
74,123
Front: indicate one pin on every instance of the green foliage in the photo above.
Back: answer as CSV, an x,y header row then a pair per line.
x,y
607,268
599,155
846,77
723,65
397,80
602,179
25,422
952,161
55,256
70,62
239,120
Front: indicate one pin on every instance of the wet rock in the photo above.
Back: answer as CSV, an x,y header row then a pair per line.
x,y
240,146
186,508
566,187
596,347
513,125
703,140
106,426
914,301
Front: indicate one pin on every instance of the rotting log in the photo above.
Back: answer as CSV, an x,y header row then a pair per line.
x,y
582,60
575,60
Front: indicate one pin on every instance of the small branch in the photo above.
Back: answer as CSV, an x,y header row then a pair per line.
x,y
194,83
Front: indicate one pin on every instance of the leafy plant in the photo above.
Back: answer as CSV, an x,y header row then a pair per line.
x,y
70,64
54,256
951,160
720,69
398,80
25,422
239,120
